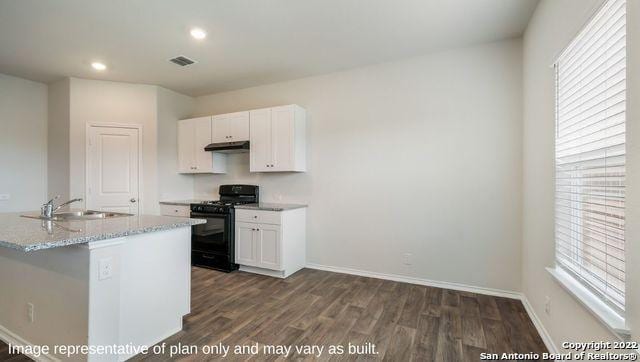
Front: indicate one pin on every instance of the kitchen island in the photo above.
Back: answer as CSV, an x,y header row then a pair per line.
x,y
122,281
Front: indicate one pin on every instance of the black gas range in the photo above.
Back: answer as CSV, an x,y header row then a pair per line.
x,y
213,243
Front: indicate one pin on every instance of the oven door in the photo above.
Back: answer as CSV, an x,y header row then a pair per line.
x,y
214,236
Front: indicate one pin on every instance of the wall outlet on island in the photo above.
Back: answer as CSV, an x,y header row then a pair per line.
x,y
105,267
31,312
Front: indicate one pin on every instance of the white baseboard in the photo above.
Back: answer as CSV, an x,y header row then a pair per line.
x,y
11,338
546,338
261,271
173,331
419,281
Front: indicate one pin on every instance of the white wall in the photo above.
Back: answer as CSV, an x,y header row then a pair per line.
x,y
112,102
552,27
172,107
23,143
58,139
420,156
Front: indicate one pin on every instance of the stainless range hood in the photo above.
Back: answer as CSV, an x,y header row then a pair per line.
x,y
228,147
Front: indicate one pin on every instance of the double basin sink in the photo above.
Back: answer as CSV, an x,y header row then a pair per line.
x,y
80,215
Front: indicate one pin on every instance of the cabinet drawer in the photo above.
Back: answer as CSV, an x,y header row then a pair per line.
x,y
258,216
175,210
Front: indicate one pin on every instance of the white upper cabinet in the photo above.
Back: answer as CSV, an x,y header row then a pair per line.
x,y
193,136
278,139
186,150
260,140
231,127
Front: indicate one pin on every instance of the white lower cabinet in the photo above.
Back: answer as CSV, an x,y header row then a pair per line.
x,y
175,210
271,242
246,244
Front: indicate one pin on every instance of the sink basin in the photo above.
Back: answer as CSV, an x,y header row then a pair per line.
x,y
81,215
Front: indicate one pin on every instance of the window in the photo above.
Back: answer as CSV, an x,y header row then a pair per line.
x,y
590,156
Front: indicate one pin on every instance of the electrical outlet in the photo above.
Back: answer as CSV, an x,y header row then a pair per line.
x,y
4,197
31,312
547,305
406,259
105,268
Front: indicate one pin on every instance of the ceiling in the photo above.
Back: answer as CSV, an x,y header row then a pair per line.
x,y
249,42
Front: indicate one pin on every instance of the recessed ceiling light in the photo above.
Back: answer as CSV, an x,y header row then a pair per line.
x,y
98,66
198,33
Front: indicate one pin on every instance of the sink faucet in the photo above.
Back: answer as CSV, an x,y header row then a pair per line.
x,y
47,209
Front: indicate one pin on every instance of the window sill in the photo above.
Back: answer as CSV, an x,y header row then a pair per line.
x,y
593,304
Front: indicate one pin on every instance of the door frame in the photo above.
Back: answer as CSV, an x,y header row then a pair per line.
x,y
87,159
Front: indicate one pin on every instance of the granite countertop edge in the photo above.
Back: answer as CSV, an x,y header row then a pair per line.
x,y
105,236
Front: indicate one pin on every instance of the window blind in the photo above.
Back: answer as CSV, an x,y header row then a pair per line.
x,y
590,155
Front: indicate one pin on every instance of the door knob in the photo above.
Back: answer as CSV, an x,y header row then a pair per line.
x,y
132,200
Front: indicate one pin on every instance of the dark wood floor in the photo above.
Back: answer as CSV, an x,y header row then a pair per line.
x,y
5,356
405,322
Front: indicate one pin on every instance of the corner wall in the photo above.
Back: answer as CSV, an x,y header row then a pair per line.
x,y
58,139
419,156
172,107
23,143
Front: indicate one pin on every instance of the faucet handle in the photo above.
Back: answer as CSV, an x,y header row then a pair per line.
x,y
50,202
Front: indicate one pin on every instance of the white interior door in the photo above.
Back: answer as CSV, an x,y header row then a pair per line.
x,y
113,163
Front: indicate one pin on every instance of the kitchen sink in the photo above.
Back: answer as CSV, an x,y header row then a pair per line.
x,y
80,215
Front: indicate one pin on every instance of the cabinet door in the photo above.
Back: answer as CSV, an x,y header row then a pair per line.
x,y
202,136
239,126
260,140
268,241
186,161
282,132
246,246
220,129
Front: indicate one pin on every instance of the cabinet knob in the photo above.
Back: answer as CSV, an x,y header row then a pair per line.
x,y
255,216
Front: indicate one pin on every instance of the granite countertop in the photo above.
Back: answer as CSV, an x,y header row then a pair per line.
x,y
27,234
270,206
183,202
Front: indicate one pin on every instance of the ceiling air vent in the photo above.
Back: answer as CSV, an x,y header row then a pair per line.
x,y
182,61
